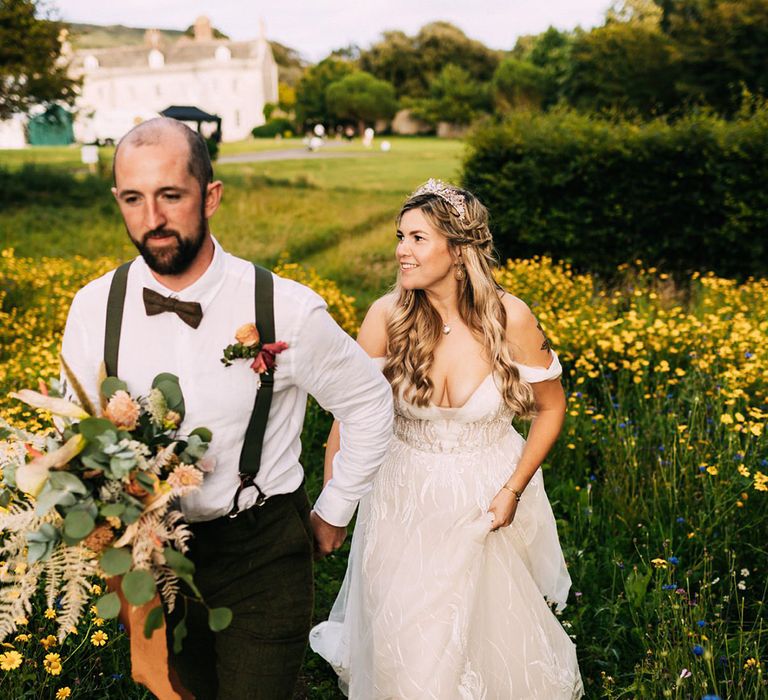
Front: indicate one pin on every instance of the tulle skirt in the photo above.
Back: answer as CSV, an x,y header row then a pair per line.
x,y
435,605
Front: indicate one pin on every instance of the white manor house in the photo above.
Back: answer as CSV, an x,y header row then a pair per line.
x,y
126,85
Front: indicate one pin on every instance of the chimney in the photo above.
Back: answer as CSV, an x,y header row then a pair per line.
x,y
203,29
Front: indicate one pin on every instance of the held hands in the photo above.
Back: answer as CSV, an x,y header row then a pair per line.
x,y
328,538
503,506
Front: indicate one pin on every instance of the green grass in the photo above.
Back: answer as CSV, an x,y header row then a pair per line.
x,y
336,214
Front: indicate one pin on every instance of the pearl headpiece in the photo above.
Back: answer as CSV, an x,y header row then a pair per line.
x,y
448,193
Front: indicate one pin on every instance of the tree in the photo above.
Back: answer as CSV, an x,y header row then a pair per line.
x,y
33,70
310,92
635,11
723,48
412,63
361,97
518,83
625,67
454,97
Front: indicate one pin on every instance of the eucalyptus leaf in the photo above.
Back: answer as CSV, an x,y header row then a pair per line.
x,y
153,622
78,524
219,619
181,565
38,551
179,635
108,606
203,433
91,428
131,514
113,510
194,450
68,481
5,498
111,385
115,561
169,385
138,586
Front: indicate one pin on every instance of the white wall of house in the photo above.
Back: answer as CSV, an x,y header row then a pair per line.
x,y
122,86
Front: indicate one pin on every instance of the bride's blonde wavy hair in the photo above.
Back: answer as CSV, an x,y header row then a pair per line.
x,y
414,327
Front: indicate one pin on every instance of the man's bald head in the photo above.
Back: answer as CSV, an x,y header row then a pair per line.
x,y
164,130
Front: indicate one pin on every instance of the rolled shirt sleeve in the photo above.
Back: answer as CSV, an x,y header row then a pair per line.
x,y
335,370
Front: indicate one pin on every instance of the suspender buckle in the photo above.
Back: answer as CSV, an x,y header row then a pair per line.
x,y
246,480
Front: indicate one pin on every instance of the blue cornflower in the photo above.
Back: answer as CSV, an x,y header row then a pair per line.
x,y
669,587
673,560
749,355
579,394
117,676
711,697
680,519
698,650
622,425
592,477
738,457
764,462
661,448
701,623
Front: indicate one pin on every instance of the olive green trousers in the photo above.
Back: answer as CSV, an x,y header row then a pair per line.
x,y
258,564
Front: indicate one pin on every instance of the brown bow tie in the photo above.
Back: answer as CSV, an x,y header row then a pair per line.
x,y
188,311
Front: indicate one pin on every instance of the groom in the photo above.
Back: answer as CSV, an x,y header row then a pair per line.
x,y
182,301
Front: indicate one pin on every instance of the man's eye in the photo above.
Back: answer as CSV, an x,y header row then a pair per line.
x,y
131,200
172,196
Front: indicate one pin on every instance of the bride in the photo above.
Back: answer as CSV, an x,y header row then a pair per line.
x,y
455,548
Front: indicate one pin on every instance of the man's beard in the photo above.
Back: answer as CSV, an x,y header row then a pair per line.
x,y
176,260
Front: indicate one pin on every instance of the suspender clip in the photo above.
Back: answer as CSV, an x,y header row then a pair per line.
x,y
246,480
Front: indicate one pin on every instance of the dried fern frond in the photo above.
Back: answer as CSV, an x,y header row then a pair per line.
x,y
16,598
79,567
167,584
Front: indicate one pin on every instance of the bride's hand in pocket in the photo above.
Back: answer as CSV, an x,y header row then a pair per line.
x,y
503,506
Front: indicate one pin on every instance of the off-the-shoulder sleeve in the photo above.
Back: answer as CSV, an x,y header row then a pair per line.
x,y
540,374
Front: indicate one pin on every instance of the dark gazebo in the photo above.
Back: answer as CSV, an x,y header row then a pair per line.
x,y
194,114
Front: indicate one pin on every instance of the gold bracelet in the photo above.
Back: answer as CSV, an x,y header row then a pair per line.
x,y
518,494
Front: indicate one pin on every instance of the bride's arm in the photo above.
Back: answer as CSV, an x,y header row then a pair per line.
x,y
530,348
373,339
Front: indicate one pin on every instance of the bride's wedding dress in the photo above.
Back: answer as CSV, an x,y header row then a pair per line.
x,y
435,605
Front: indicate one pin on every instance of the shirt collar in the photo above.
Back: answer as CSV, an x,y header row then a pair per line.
x,y
202,290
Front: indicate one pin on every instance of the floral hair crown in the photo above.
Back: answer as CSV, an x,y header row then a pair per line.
x,y
448,193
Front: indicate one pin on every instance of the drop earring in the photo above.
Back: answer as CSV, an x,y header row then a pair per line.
x,y
459,273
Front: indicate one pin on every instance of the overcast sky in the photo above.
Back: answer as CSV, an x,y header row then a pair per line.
x,y
316,28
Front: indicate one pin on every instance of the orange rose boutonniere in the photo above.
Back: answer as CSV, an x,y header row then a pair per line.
x,y
250,347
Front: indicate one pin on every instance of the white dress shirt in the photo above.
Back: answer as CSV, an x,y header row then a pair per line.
x,y
321,360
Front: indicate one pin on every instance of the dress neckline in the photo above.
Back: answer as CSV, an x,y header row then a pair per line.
x,y
469,398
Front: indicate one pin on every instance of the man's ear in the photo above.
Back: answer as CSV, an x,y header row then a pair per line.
x,y
213,193
114,192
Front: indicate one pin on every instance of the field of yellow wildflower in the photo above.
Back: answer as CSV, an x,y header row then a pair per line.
x,y
659,481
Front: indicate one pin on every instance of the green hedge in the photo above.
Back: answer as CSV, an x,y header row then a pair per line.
x,y
272,128
689,195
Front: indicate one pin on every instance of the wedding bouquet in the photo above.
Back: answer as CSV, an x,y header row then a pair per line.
x,y
98,495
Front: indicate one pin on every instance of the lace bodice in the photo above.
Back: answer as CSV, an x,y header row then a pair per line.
x,y
482,422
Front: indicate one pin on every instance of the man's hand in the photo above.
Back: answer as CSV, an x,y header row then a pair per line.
x,y
328,538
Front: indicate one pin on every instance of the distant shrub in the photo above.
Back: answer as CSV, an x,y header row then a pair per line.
x,y
35,184
689,195
272,128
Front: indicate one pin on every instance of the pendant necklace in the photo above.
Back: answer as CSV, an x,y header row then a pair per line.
x,y
446,327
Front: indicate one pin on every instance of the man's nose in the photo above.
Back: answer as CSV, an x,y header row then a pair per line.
x,y
154,215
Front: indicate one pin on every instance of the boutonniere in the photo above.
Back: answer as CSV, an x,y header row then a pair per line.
x,y
250,347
